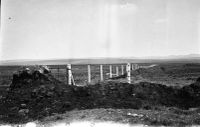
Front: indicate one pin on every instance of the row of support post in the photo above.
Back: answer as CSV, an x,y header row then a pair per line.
x,y
134,66
128,71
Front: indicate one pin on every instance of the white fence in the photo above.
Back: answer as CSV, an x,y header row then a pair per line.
x,y
114,71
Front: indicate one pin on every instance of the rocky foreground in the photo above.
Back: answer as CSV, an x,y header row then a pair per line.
x,y
35,94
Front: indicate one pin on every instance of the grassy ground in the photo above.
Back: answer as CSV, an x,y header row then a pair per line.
x,y
176,75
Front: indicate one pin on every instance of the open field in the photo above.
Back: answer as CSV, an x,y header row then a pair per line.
x,y
171,74
161,95
174,74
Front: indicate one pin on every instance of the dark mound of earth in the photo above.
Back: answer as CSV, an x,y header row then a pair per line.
x,y
35,94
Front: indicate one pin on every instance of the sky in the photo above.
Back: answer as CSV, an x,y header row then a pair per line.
x,y
48,29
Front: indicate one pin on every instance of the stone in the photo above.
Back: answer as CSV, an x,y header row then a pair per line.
x,y
23,105
23,112
14,109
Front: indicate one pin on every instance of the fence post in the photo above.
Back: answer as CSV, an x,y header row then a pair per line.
x,y
117,71
132,66
89,74
101,72
66,77
73,82
128,70
58,73
122,69
137,67
69,72
110,71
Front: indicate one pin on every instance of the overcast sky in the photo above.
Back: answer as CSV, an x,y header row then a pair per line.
x,y
43,29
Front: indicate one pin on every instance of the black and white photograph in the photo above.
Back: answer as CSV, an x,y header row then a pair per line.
x,y
99,63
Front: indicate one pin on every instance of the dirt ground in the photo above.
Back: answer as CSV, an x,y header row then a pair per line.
x,y
165,116
122,118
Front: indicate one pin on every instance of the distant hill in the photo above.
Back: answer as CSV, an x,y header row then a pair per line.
x,y
189,56
192,58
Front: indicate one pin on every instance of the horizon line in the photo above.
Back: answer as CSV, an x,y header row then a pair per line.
x,y
120,57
